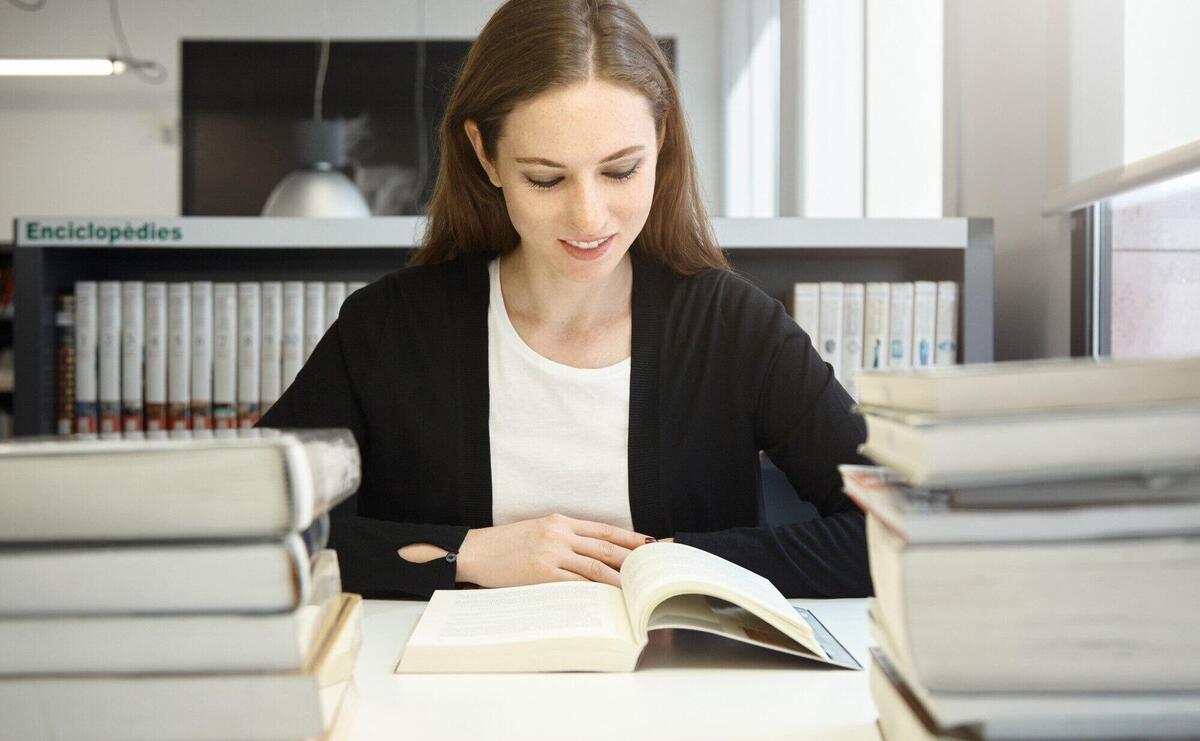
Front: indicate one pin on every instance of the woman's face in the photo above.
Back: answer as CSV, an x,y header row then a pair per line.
x,y
577,168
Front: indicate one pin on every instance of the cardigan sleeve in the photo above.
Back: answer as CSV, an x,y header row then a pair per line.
x,y
805,423
330,391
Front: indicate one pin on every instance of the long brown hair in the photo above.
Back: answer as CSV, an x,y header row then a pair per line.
x,y
526,48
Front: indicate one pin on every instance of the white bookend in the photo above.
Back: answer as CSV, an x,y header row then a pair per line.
x,y
830,332
876,324
202,358
133,343
900,314
946,337
806,308
249,351
86,329
335,294
924,322
852,336
314,315
271,357
293,332
108,353
179,358
225,364
156,360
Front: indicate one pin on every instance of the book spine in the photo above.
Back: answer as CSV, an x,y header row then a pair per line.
x,y
293,332
900,313
225,349
924,322
202,358
852,336
271,370
946,337
108,355
806,308
133,344
86,327
876,325
156,360
335,295
64,340
830,344
248,353
314,315
179,360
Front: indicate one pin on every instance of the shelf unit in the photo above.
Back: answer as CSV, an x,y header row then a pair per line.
x,y
52,253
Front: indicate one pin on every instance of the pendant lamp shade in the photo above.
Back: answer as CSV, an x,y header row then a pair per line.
x,y
316,189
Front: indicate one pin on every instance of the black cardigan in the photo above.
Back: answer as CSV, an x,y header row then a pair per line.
x,y
719,371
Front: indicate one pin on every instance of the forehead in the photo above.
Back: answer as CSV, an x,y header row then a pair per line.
x,y
578,124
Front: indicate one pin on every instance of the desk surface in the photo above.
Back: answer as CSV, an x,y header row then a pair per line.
x,y
688,686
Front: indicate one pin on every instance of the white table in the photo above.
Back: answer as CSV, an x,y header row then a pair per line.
x,y
701,687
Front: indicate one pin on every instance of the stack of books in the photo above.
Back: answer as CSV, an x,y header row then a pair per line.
x,y
175,589
1034,541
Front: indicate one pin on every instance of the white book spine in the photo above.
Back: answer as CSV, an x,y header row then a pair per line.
x,y
108,354
876,324
156,360
179,358
946,337
852,335
335,294
924,322
202,358
225,348
806,308
86,328
133,343
271,362
830,344
249,352
314,315
293,332
900,313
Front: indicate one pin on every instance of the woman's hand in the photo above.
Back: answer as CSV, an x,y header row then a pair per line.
x,y
550,548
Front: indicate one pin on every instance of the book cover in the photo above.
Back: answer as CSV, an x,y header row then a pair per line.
x,y
108,356
335,294
271,362
314,315
900,331
946,336
876,324
852,336
64,341
133,350
806,308
225,363
202,358
293,332
924,322
86,342
179,358
249,353
156,360
829,341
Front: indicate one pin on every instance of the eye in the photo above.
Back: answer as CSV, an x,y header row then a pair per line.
x,y
614,176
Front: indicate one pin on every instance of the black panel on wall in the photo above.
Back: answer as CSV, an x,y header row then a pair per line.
x,y
240,99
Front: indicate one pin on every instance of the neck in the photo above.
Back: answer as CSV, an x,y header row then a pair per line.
x,y
540,295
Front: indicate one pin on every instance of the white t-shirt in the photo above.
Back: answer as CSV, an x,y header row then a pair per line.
x,y
559,435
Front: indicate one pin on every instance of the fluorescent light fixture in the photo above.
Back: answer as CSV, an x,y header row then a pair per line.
x,y
61,67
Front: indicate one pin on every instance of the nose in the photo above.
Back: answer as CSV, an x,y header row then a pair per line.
x,y
587,210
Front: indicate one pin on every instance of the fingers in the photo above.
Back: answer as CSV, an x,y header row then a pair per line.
x,y
591,569
602,531
601,550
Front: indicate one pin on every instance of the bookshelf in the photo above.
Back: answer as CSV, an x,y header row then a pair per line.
x,y
51,253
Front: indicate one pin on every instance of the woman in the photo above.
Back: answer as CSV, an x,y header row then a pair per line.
x,y
569,369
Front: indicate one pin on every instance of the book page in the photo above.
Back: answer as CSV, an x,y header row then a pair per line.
x,y
523,614
656,572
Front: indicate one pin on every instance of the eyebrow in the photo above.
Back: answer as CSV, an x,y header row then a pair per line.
x,y
550,163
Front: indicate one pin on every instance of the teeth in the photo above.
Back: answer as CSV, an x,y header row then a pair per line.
x,y
586,245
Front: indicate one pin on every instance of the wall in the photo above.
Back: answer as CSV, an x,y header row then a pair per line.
x,y
1004,79
111,145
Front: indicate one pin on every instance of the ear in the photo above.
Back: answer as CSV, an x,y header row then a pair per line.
x,y
476,138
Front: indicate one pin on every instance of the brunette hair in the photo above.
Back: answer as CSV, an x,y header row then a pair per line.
x,y
526,48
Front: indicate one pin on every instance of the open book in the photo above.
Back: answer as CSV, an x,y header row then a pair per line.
x,y
589,626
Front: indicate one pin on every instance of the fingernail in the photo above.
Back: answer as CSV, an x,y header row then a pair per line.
x,y
651,540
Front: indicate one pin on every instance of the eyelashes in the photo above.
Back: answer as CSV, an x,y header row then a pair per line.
x,y
614,176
